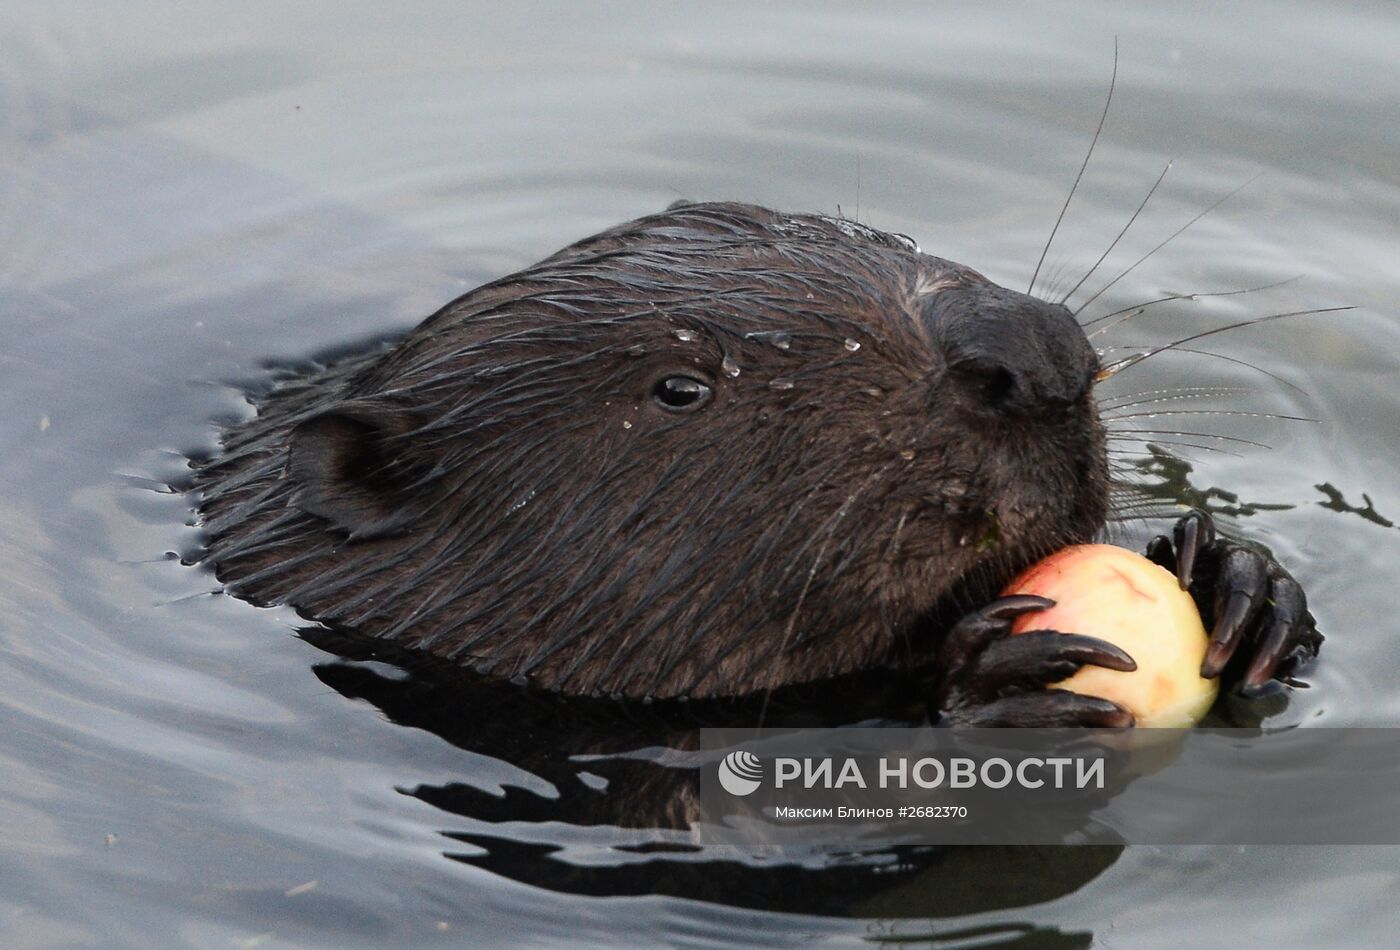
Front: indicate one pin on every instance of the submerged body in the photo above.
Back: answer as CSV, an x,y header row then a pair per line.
x,y
710,452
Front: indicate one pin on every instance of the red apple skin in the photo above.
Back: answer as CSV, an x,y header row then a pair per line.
x,y
1116,595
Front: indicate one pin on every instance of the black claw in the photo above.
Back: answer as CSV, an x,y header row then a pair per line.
x,y
972,633
1269,653
1052,708
1188,534
1193,534
1239,598
1011,607
1036,657
1287,615
1229,631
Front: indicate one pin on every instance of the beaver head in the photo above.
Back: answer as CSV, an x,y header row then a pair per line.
x,y
713,451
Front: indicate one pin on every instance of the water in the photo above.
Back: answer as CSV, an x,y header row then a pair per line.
x,y
192,194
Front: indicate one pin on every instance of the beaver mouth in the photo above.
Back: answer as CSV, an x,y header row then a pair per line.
x,y
983,583
1000,541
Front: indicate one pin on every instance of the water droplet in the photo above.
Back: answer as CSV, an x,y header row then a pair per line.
x,y
626,424
685,336
907,455
872,391
908,242
779,338
852,345
729,366
780,383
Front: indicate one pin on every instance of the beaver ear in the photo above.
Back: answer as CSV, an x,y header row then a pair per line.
x,y
350,466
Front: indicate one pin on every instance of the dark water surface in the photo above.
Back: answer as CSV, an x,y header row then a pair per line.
x,y
192,193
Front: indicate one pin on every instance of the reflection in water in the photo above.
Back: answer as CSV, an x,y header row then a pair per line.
x,y
1000,937
1336,502
603,810
1163,477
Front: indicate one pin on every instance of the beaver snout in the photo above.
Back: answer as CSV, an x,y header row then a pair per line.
x,y
1012,353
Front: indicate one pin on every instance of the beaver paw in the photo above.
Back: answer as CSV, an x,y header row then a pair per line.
x,y
990,678
1261,631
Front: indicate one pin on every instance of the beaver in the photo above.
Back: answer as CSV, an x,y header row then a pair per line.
x,y
711,452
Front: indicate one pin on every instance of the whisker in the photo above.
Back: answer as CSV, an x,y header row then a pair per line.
x,y
1112,81
1168,510
1236,360
1066,274
1170,395
1139,307
1133,491
1192,297
1150,192
1184,445
1246,363
1056,274
1143,503
1207,412
1171,237
833,522
1196,435
1255,321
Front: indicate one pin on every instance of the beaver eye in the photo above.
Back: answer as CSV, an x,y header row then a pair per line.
x,y
682,393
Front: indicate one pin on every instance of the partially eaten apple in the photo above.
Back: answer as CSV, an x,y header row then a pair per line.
x,y
1121,597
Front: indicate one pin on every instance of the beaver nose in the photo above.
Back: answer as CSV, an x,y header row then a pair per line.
x,y
1013,353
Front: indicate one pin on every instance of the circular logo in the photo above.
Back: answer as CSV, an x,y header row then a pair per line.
x,y
740,772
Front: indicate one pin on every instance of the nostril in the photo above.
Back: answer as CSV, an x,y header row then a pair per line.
x,y
990,383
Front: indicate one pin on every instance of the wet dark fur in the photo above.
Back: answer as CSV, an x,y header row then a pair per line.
x,y
500,488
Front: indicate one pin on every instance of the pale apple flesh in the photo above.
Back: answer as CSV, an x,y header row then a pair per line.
x,y
1121,597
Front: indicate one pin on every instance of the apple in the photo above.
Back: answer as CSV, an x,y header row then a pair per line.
x,y
1121,597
